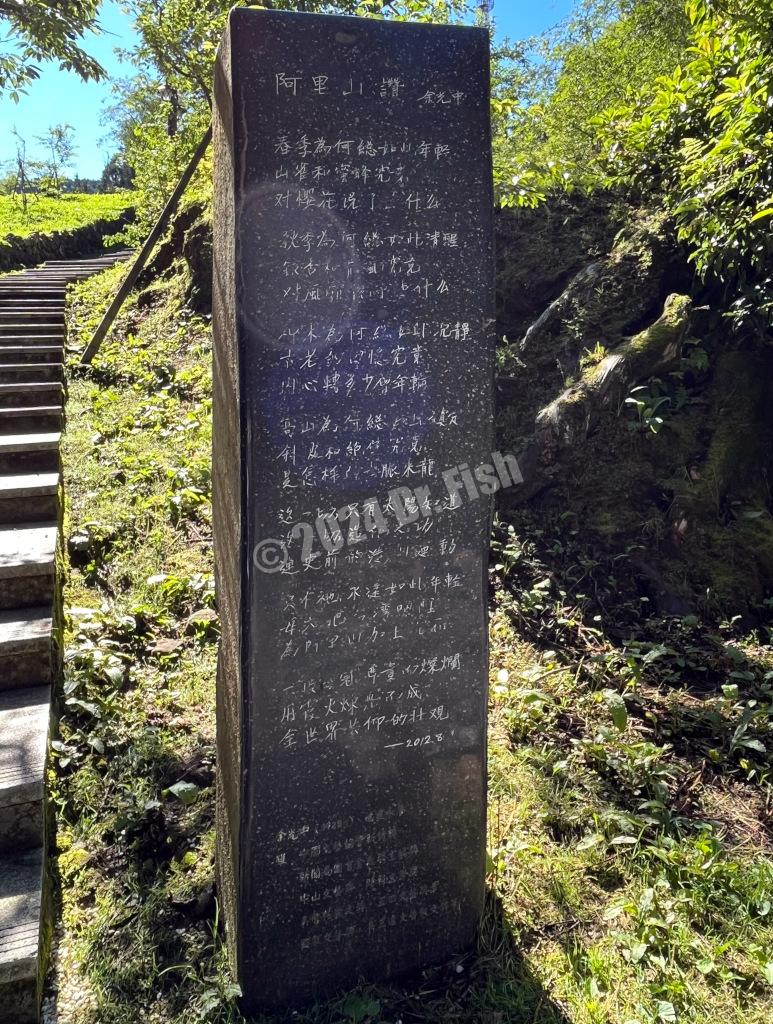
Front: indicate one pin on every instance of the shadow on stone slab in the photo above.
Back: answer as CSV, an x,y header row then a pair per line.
x,y
492,984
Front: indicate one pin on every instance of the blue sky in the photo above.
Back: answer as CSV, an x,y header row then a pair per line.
x,y
59,97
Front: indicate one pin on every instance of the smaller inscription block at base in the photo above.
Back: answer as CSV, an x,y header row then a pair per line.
x,y
354,356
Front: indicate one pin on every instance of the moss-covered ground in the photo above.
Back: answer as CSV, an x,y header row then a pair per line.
x,y
631,877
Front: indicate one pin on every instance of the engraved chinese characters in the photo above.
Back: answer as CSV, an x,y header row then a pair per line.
x,y
353,367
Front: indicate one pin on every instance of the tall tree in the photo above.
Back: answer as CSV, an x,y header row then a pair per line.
x,y
116,175
41,31
702,141
558,84
59,145
165,108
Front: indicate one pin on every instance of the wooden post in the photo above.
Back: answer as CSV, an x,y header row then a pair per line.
x,y
142,257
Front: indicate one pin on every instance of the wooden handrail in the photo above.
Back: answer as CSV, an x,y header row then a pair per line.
x,y
142,257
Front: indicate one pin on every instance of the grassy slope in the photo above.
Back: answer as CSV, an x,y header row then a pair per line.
x,y
61,213
631,872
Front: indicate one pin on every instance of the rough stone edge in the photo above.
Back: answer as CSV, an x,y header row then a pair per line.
x,y
227,491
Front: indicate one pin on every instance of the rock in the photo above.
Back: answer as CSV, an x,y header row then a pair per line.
x,y
165,645
197,250
539,251
568,420
172,246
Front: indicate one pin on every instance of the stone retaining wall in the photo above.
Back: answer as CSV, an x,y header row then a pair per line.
x,y
17,252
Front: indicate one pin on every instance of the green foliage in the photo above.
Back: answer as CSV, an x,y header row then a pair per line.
x,y
704,145
116,175
646,401
40,31
630,749
669,101
628,756
438,11
166,108
548,91
59,146
59,213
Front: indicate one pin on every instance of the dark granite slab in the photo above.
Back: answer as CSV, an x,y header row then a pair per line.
x,y
354,355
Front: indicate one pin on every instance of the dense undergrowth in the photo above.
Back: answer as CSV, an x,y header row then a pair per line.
x,y
630,846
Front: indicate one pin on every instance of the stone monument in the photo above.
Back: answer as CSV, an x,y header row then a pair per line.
x,y
353,473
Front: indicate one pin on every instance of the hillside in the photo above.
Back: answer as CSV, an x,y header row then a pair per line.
x,y
60,227
46,214
629,834
629,593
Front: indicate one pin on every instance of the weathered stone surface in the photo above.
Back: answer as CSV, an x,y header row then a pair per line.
x,y
353,311
27,551
28,485
26,631
23,372
27,393
15,349
27,453
26,648
21,889
24,725
540,250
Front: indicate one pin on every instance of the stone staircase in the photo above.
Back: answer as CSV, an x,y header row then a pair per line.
x,y
32,337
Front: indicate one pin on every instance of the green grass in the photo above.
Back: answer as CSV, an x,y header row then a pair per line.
x,y
631,871
46,214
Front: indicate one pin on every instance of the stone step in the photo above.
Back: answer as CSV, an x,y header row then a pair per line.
x,y
28,497
25,717
28,485
26,304
61,278
27,564
26,648
79,262
23,281
39,391
45,280
91,261
33,327
59,273
78,273
36,316
30,291
33,313
9,346
34,373
30,453
32,353
9,328
26,419
22,882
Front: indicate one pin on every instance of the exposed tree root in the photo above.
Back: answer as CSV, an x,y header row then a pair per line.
x,y
570,418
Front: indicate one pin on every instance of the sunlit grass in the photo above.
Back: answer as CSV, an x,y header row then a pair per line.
x,y
45,214
600,910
